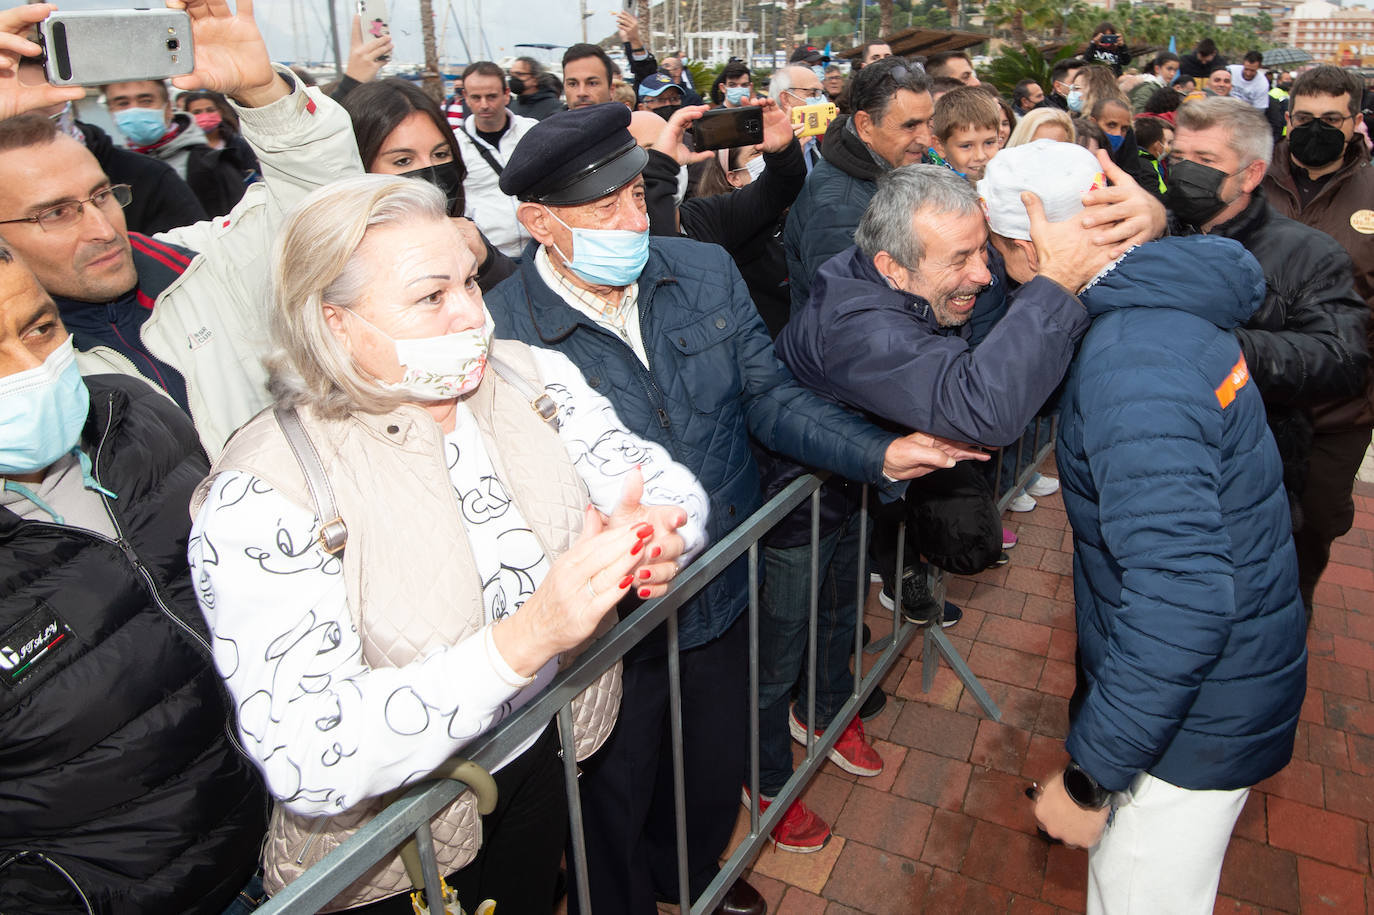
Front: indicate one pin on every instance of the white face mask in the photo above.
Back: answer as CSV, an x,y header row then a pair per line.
x,y
755,167
443,367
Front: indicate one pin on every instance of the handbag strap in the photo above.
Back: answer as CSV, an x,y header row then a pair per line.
x,y
333,532
540,401
486,154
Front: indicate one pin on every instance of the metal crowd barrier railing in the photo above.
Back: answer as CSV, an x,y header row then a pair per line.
x,y
409,816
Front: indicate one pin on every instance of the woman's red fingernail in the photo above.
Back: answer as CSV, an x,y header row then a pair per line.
x,y
644,573
634,550
656,552
644,531
643,592
626,582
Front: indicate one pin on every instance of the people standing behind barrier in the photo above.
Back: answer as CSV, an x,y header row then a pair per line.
x,y
182,310
487,139
1307,343
214,115
401,131
1321,176
1190,633
665,328
142,111
534,93
368,653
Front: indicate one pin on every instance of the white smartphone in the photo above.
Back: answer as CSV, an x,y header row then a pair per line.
x,y
375,21
115,46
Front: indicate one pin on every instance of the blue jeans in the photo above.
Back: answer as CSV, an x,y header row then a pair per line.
x,y
784,610
249,898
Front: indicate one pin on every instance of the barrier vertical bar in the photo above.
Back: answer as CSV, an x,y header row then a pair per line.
x,y
568,743
429,866
754,801
814,600
679,777
861,598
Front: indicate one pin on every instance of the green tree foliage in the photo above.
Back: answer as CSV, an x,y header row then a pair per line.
x,y
1014,65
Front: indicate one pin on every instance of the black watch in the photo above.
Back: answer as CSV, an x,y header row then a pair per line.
x,y
1084,789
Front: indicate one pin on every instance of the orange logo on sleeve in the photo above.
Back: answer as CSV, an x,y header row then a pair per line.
x,y
1237,379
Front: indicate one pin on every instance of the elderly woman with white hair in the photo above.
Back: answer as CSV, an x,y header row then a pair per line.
x,y
398,555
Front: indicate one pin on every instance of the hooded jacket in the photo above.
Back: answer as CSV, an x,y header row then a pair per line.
x,y
1343,203
539,104
161,201
1191,631
826,213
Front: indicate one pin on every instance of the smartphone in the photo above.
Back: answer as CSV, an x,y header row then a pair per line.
x,y
115,46
723,128
375,21
814,118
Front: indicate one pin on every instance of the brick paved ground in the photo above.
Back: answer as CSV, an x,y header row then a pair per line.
x,y
947,828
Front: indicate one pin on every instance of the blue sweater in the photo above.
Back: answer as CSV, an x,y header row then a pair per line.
x,y
1191,632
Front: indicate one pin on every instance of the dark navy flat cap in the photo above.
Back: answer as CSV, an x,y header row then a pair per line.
x,y
575,157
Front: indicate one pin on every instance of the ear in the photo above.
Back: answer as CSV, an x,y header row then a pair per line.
x,y
1253,175
536,221
887,265
863,125
938,145
335,318
1028,249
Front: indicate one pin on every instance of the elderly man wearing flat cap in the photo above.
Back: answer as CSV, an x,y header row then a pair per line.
x,y
664,327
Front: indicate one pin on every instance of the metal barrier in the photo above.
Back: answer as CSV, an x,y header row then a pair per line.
x,y
409,816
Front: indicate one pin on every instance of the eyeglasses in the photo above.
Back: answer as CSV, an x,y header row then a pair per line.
x,y
68,213
1330,119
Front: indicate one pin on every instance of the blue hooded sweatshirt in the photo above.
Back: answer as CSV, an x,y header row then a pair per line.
x,y
1191,631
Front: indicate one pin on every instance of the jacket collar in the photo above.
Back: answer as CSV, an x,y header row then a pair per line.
x,y
1281,166
553,318
1249,221
843,149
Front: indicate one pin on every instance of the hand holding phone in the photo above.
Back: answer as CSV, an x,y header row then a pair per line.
x,y
814,120
724,128
18,95
98,47
230,55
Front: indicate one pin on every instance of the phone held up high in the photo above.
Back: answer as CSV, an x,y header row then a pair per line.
x,y
98,47
723,128
376,23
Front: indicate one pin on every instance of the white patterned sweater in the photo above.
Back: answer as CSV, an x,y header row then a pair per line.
x,y
327,730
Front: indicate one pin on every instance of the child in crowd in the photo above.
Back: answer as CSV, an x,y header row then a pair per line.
x,y
965,125
1154,137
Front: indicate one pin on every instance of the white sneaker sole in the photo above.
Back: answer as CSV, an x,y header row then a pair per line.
x,y
799,735
1022,503
1045,486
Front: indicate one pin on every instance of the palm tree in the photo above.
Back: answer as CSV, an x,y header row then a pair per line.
x,y
884,17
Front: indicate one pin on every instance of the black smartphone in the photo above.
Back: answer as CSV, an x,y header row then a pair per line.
x,y
723,128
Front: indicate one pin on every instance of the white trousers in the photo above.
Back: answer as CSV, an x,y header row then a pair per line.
x,y
1161,853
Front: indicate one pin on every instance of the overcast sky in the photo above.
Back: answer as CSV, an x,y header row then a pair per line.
x,y
492,27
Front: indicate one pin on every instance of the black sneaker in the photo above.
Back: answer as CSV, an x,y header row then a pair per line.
x,y
873,705
917,605
951,616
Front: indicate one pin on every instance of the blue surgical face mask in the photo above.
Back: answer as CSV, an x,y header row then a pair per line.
x,y
141,126
1075,100
819,71
42,412
1116,140
605,257
735,95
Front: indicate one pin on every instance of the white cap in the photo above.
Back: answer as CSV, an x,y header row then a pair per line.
x,y
1058,173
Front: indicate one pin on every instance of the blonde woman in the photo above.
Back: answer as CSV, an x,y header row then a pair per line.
x,y
484,540
1043,124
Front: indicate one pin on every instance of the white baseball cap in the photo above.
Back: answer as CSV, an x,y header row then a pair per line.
x,y
1058,173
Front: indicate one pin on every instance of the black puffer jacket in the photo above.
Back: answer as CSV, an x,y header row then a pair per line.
x,y
1306,343
118,782
162,201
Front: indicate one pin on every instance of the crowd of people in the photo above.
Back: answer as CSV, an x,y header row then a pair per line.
x,y
337,419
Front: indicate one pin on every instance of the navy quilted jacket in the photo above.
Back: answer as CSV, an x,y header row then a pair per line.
x,y
1191,632
714,383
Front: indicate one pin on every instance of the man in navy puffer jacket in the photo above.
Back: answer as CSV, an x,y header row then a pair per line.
x,y
1190,625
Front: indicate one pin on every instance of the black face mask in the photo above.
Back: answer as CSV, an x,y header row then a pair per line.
x,y
1193,192
446,178
666,111
1316,144
517,85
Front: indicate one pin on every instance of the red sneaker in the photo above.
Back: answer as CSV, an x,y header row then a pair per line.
x,y
852,752
800,830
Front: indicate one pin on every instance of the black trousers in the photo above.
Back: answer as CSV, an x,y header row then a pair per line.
x,y
522,840
627,786
1328,505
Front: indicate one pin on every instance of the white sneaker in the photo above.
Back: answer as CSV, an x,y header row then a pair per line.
x,y
1042,485
1022,503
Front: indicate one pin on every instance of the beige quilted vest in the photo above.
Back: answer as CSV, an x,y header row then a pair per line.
x,y
392,489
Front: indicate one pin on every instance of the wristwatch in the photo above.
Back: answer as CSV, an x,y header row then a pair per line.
x,y
1084,789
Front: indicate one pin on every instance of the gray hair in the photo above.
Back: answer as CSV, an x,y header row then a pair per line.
x,y
1248,133
781,81
903,194
316,261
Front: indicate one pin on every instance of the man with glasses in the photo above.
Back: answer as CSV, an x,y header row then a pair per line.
x,y
1307,344
796,86
182,309
680,77
1321,176
532,96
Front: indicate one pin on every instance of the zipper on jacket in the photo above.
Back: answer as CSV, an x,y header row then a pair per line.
x,y
651,384
44,859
